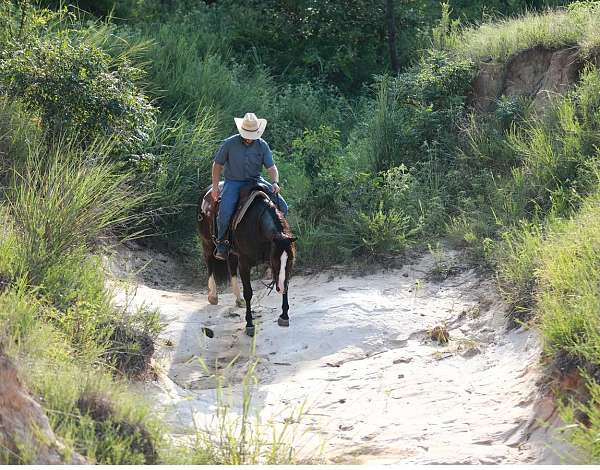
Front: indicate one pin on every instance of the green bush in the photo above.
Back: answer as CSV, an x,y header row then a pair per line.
x,y
307,106
415,116
384,231
172,173
78,89
61,203
19,135
319,150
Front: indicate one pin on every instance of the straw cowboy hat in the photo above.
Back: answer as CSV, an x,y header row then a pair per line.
x,y
250,127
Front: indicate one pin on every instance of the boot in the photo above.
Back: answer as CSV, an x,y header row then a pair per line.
x,y
222,250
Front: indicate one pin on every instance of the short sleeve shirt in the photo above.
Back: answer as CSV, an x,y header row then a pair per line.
x,y
243,162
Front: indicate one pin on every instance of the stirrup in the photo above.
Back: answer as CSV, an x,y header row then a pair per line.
x,y
225,244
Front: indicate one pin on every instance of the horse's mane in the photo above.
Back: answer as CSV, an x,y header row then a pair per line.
x,y
280,221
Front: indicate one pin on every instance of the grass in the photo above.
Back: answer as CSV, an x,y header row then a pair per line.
x,y
548,258
522,191
243,438
569,275
52,370
60,202
577,25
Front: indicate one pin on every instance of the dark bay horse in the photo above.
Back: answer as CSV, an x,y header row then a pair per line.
x,y
263,235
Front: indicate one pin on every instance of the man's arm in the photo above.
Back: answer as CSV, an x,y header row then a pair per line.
x,y
218,163
274,175
217,168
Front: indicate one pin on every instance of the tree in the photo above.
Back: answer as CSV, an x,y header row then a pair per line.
x,y
391,22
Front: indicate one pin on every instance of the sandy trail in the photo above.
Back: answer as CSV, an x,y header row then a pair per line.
x,y
357,353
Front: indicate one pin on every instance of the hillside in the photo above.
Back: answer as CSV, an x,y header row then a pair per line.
x,y
479,133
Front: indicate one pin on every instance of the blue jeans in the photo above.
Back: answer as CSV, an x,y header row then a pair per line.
x,y
229,199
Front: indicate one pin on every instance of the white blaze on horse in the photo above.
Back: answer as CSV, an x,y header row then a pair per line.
x,y
259,234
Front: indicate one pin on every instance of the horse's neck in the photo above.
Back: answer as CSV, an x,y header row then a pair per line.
x,y
268,227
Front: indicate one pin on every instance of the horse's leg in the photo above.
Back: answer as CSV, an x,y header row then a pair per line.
x,y
245,274
235,286
283,319
213,295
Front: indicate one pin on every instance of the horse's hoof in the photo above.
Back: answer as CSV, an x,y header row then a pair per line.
x,y
283,322
213,300
241,303
250,331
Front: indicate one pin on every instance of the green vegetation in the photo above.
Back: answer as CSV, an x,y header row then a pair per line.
x,y
576,25
110,113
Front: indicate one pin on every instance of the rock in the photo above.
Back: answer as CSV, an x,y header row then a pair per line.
x,y
487,86
525,72
402,360
560,75
538,73
24,426
471,352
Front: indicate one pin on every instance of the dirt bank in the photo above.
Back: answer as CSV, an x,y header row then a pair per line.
x,y
359,357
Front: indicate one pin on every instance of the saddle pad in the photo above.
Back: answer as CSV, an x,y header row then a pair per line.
x,y
239,215
207,202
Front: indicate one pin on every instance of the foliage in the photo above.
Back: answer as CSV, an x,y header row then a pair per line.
x,y
63,203
78,88
103,124
418,112
384,231
319,151
545,206
575,25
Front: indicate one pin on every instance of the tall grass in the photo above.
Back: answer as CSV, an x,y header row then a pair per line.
x,y
577,25
63,202
59,376
570,275
546,208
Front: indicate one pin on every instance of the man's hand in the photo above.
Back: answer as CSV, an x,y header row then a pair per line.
x,y
215,194
276,188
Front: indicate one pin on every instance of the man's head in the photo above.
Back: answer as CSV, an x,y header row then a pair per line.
x,y
250,127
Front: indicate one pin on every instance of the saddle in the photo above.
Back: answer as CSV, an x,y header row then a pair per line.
x,y
248,194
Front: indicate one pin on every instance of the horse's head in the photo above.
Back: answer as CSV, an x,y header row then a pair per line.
x,y
283,252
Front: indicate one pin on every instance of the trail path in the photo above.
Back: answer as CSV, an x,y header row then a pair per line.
x,y
357,354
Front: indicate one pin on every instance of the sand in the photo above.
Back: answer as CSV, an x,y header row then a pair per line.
x,y
359,361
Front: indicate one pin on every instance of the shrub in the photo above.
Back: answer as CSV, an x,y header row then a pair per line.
x,y
319,151
384,231
80,90
189,76
172,173
19,135
418,112
61,203
517,260
306,107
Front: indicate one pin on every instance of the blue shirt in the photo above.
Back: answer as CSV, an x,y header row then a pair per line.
x,y
241,161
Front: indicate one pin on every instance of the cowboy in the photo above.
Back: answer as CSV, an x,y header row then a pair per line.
x,y
242,156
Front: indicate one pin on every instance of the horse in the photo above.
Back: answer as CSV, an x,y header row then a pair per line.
x,y
262,235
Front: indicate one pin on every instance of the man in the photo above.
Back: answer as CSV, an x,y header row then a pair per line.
x,y
242,156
